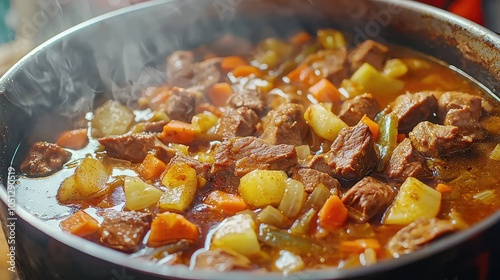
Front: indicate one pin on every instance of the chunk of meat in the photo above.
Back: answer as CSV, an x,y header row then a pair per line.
x,y
44,159
318,162
467,125
434,140
406,162
183,72
370,52
330,63
311,178
353,154
242,155
248,98
417,234
154,127
131,147
237,122
286,125
462,110
202,169
181,105
459,100
180,68
125,230
206,74
369,197
221,260
413,108
354,109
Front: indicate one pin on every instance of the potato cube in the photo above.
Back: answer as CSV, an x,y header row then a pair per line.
x,y
237,233
260,188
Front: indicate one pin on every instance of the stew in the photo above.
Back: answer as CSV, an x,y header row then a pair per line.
x,y
289,154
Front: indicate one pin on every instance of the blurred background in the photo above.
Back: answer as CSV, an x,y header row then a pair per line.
x,y
25,24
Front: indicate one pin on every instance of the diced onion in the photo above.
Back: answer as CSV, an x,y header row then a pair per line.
x,y
318,197
368,257
289,262
486,197
303,152
272,216
293,199
496,153
302,224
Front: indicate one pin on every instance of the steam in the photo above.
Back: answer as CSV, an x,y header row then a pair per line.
x,y
119,57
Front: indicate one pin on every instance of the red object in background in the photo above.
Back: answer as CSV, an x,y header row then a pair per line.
x,y
470,9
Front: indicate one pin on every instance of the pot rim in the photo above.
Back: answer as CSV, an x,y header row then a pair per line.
x,y
146,267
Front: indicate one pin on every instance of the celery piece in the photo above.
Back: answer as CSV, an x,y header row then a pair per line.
x,y
331,39
387,139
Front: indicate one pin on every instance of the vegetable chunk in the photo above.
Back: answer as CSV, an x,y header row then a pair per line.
x,y
325,123
414,200
169,228
237,233
263,187
181,183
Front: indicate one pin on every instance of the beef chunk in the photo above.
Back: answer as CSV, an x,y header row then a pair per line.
x,y
202,169
180,68
286,125
311,178
318,162
44,159
417,234
462,110
181,105
242,155
124,231
369,51
354,109
434,140
248,98
330,63
237,122
221,260
206,74
414,108
369,197
406,162
154,127
183,72
467,125
131,147
353,154
459,100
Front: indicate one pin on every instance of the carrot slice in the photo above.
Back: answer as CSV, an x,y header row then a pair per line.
x,y
373,126
333,213
73,139
220,93
178,132
230,63
80,224
245,71
169,228
300,38
358,246
226,202
151,167
324,91
443,188
304,75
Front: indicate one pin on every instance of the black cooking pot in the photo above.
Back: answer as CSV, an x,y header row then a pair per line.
x,y
123,52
